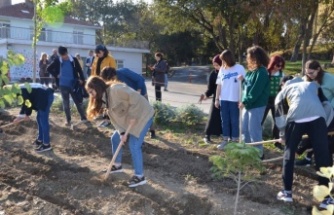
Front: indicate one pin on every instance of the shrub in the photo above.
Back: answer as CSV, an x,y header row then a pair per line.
x,y
189,115
164,113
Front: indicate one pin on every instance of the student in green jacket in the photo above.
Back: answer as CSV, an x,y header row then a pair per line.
x,y
255,95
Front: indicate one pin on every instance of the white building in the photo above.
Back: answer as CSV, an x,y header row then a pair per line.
x,y
16,34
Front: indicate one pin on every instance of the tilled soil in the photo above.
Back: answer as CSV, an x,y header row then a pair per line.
x,y
68,179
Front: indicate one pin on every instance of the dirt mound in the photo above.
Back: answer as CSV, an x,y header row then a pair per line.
x,y
67,180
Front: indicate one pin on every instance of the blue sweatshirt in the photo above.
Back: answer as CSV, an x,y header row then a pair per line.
x,y
132,79
66,78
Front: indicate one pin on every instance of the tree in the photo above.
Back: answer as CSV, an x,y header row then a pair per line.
x,y
323,23
119,21
46,12
9,93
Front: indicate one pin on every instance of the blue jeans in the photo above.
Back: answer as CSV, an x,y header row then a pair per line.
x,y
229,112
43,122
65,94
135,148
251,126
166,81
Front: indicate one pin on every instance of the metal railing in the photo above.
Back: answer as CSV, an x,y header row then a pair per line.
x,y
47,35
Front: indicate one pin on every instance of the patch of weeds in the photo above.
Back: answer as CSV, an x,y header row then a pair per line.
x,y
189,178
164,113
190,115
288,210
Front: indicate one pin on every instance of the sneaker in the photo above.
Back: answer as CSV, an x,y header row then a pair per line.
x,y
44,148
68,124
284,196
37,144
222,145
115,169
136,181
207,140
84,121
303,162
327,201
153,134
104,124
234,140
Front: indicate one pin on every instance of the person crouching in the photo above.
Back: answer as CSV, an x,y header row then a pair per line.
x,y
40,99
125,108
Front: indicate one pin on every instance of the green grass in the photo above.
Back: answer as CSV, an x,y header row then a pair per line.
x,y
292,68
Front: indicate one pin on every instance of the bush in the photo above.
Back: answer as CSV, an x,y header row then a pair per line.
x,y
189,115
164,113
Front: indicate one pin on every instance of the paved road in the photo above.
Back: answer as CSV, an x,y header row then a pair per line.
x,y
181,93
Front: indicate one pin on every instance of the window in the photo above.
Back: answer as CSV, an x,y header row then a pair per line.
x,y
120,64
42,35
78,36
45,35
4,30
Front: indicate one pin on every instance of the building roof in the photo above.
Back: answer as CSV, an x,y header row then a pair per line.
x,y
26,11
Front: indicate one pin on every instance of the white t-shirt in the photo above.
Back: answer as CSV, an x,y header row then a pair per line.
x,y
228,79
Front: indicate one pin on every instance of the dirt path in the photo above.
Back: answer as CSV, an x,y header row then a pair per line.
x,y
67,180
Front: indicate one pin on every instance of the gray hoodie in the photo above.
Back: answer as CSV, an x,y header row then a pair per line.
x,y
299,100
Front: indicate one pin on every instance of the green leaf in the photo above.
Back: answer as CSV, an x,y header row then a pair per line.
x,y
16,88
28,87
20,100
27,103
2,103
4,67
8,98
5,79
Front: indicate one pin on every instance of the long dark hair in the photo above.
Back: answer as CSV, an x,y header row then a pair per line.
x,y
258,57
228,58
95,104
314,64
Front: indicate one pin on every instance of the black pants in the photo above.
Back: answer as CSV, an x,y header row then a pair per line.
x,y
317,132
306,144
271,107
157,93
45,78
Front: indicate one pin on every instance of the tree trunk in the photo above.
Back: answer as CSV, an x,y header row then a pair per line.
x,y
296,48
308,35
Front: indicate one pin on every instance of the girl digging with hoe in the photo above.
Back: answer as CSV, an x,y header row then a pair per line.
x,y
126,108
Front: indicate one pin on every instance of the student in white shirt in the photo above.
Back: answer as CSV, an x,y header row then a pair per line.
x,y
228,96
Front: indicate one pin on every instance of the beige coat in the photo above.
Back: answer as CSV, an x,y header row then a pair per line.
x,y
123,104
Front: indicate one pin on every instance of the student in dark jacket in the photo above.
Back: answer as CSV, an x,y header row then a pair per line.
x,y
67,71
41,99
213,126
159,69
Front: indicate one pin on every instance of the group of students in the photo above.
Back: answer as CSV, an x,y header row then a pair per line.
x,y
121,94
298,105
